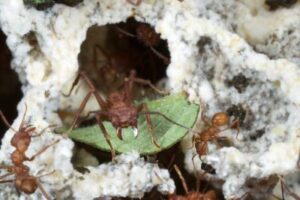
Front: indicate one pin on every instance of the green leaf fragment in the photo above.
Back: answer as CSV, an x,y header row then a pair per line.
x,y
176,107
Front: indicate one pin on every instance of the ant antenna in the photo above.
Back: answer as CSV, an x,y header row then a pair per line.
x,y
6,122
185,187
165,117
125,32
23,118
160,55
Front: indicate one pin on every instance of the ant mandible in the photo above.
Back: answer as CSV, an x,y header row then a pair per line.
x,y
191,195
21,141
118,108
212,130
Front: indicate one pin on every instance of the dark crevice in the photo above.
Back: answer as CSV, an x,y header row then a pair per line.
x,y
110,52
10,86
45,4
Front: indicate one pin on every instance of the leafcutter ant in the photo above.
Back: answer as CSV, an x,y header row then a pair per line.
x,y
118,108
191,195
212,130
147,35
23,181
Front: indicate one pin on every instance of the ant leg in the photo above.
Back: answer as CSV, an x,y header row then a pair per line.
x,y
6,122
5,167
106,135
6,175
132,78
193,142
42,150
125,32
282,190
150,126
45,194
185,187
47,174
43,130
201,148
75,82
7,181
287,190
119,133
161,56
236,125
92,91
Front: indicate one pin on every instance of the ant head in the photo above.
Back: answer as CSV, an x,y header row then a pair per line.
x,y
27,184
21,141
124,118
220,119
147,34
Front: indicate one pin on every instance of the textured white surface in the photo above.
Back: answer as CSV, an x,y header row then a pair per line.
x,y
271,99
128,175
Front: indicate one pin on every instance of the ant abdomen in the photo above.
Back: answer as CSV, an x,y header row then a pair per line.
x,y
220,119
26,184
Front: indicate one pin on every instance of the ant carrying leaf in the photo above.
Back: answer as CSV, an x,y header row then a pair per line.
x,y
171,117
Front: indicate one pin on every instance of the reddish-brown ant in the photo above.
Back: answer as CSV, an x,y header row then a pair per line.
x,y
211,133
118,108
191,195
147,35
21,141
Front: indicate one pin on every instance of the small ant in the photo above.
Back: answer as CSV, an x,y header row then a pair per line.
x,y
211,133
191,195
148,36
21,141
118,108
